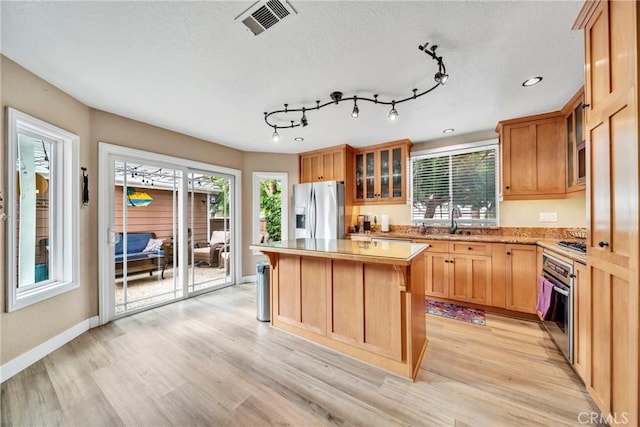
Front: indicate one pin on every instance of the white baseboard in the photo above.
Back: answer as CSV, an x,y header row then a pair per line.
x,y
27,359
247,279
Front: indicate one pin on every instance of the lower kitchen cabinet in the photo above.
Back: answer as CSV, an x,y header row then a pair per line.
x,y
459,271
470,278
613,342
437,271
493,274
515,276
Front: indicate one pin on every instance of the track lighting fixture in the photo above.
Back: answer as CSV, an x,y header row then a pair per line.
x,y
356,110
440,78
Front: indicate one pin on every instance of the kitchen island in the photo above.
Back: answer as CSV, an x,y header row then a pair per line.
x,y
364,299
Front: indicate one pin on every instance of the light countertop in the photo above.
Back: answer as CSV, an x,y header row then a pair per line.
x,y
400,253
549,244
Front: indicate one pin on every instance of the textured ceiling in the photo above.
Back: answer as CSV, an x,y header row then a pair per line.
x,y
192,68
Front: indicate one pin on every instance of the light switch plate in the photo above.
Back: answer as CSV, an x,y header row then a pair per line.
x,y
548,216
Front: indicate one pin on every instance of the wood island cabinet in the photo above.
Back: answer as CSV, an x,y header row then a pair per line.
x,y
380,173
331,164
364,300
575,144
612,127
532,154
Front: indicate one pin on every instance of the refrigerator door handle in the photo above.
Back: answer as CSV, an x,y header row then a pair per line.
x,y
315,214
312,214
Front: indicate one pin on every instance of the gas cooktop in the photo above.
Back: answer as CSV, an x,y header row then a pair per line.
x,y
580,247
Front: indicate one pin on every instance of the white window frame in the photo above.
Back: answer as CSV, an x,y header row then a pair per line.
x,y
64,210
453,150
284,206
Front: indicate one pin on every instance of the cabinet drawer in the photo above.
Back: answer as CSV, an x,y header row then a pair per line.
x,y
435,245
471,248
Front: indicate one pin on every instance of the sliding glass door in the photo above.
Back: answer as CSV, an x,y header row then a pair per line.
x,y
210,229
145,213
168,229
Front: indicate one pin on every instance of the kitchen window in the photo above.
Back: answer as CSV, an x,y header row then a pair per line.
x,y
44,199
463,177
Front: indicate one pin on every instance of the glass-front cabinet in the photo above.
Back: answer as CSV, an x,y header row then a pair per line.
x,y
380,173
575,140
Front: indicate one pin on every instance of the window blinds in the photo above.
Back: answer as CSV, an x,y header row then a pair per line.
x,y
466,179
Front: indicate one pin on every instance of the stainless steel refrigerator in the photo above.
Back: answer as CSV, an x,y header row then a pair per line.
x,y
319,210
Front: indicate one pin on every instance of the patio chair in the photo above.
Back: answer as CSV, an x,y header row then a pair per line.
x,y
208,253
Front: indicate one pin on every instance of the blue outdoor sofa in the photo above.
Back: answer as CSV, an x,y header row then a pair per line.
x,y
139,260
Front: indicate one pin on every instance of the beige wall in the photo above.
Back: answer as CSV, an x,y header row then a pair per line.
x,y
31,326
263,162
118,130
526,213
24,329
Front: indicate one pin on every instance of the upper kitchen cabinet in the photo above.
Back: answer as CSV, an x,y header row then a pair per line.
x,y
575,144
331,164
613,258
381,173
532,157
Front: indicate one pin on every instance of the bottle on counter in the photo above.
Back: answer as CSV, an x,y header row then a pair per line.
x,y
423,229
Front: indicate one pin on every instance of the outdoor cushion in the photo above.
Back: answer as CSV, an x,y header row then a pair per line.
x,y
136,242
219,237
153,245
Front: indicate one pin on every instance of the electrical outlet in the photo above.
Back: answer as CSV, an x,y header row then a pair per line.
x,y
548,217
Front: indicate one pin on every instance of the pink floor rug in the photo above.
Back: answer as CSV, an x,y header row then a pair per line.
x,y
457,312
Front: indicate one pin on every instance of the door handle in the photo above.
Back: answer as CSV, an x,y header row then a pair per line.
x,y
113,237
561,291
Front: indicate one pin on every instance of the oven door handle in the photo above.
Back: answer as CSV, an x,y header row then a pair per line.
x,y
561,291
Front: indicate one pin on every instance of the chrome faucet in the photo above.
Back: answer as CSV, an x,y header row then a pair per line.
x,y
454,224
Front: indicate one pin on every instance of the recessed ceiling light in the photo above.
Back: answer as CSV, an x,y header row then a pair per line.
x,y
532,81
298,138
448,130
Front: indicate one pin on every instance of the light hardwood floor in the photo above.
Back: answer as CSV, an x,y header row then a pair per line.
x,y
207,361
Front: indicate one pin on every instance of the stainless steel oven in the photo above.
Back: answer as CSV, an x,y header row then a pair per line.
x,y
558,320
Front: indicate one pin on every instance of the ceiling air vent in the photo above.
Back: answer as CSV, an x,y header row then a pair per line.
x,y
265,14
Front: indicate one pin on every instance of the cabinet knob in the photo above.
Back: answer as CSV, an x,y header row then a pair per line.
x,y
573,276
507,187
451,261
603,244
585,106
469,248
508,253
446,260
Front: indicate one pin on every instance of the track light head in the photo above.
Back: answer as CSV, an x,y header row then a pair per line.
x,y
275,136
441,77
303,120
393,114
356,111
